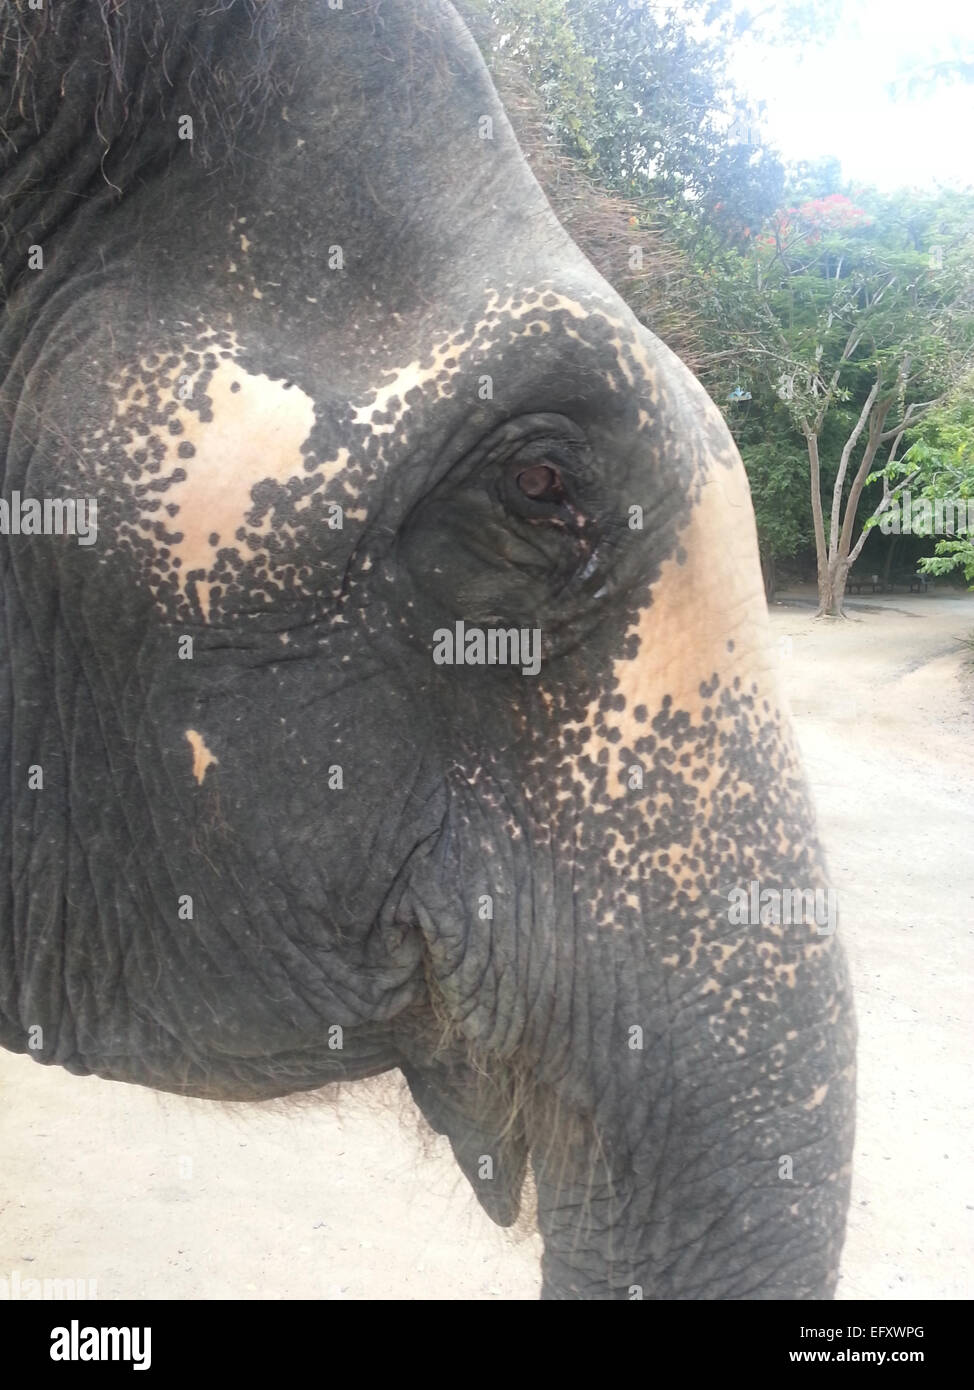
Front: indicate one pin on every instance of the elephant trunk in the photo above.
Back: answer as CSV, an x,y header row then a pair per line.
x,y
698,1144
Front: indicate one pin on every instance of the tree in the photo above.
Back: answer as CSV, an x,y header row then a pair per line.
x,y
859,316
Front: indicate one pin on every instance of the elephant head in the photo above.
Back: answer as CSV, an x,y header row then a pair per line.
x,y
405,700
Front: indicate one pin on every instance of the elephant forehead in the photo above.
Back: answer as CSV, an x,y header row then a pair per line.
x,y
555,319
433,377
199,432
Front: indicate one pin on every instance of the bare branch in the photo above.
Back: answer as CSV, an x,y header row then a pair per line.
x,y
914,413
883,506
850,444
852,342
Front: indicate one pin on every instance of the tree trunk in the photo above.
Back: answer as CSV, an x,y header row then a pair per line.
x,y
836,558
832,580
822,564
889,561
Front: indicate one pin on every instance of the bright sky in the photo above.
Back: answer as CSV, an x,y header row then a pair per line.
x,y
834,99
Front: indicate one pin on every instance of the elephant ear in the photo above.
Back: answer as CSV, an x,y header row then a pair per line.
x,y
485,1131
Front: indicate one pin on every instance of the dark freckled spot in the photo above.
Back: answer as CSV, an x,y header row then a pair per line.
x,y
730,644
172,509
175,426
235,386
186,450
681,555
214,539
639,714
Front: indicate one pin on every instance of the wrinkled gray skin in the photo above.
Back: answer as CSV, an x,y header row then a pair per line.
x,y
518,895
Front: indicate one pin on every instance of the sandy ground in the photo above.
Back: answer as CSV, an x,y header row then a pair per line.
x,y
151,1196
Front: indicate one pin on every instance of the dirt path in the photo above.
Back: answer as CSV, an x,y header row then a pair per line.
x,y
885,716
151,1196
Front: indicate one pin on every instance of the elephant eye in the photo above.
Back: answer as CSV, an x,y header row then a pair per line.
x,y
541,482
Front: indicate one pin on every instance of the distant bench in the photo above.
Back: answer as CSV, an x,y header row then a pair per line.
x,y
915,583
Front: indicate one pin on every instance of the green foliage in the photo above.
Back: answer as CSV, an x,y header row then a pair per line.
x,y
781,508
940,465
638,94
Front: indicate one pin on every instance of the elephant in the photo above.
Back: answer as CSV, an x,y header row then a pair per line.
x,y
385,679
